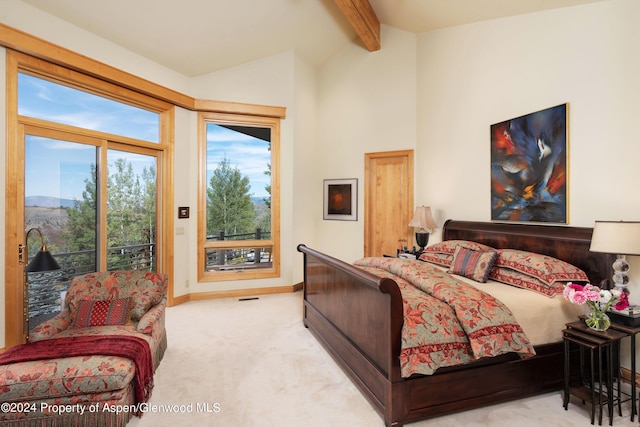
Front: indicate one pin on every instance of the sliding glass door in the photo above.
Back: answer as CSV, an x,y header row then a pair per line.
x,y
96,211
131,211
84,162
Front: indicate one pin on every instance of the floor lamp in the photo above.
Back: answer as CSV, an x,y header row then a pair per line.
x,y
41,262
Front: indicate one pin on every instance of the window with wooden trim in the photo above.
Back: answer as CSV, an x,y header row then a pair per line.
x,y
89,160
239,197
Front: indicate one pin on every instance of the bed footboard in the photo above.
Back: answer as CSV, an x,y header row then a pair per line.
x,y
358,318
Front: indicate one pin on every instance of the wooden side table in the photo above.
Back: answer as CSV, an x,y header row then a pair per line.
x,y
602,348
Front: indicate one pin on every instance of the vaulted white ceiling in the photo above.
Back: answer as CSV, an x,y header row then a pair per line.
x,y
196,37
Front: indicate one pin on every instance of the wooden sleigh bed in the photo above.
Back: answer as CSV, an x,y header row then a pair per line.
x,y
358,318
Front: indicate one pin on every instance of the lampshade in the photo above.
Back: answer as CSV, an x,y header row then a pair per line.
x,y
423,219
616,237
43,261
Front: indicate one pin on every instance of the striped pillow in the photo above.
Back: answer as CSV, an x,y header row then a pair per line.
x,y
472,264
103,313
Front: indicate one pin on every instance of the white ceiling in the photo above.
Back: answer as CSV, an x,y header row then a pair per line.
x,y
196,37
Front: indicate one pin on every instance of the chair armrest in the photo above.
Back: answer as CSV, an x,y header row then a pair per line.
x,y
155,315
51,327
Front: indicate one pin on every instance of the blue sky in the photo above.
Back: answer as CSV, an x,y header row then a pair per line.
x,y
59,168
249,154
57,103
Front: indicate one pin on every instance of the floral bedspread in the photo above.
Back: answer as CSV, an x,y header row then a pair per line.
x,y
446,321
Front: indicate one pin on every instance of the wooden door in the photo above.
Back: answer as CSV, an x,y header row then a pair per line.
x,y
388,199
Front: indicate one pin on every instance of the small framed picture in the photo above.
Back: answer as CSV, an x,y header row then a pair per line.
x,y
341,199
183,212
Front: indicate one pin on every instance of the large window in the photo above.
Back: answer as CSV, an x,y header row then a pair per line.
x,y
89,158
239,197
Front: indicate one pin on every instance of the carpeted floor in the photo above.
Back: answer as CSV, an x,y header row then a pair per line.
x,y
252,364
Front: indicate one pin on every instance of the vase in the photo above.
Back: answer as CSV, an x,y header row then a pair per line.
x,y
598,320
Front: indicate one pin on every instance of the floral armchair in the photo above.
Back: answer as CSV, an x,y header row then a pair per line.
x,y
147,293
114,303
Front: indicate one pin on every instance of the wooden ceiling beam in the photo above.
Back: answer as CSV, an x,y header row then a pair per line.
x,y
363,19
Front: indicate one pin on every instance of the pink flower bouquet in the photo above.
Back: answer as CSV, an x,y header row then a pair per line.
x,y
599,300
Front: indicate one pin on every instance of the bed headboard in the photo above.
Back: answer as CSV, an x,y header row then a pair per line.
x,y
570,244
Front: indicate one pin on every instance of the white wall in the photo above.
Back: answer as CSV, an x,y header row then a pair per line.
x,y
185,193
472,76
306,148
366,103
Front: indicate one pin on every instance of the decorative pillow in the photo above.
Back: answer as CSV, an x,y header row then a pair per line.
x,y
521,280
436,258
103,313
446,249
146,289
543,267
472,264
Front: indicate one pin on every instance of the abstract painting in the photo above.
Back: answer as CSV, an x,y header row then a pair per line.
x,y
529,167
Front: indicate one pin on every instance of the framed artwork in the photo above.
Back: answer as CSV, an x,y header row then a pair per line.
x,y
529,169
341,199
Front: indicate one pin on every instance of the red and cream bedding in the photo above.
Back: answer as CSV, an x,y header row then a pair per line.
x,y
530,284
477,302
542,318
446,321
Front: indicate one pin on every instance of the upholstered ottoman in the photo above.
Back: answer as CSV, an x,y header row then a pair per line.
x,y
96,390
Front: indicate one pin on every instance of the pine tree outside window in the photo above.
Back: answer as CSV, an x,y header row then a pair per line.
x,y
239,197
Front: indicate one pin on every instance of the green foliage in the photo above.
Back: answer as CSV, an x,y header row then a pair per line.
x,y
123,203
80,233
131,209
229,205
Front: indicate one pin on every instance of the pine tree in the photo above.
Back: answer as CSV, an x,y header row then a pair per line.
x,y
80,232
131,214
229,205
124,210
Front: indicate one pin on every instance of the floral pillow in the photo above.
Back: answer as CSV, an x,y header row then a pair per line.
x,y
542,267
442,253
146,289
102,313
521,280
472,264
436,258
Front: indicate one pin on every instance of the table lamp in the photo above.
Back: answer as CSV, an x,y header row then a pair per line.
x,y
620,238
424,222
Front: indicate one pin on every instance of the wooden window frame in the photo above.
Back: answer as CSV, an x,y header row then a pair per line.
x,y
274,242
17,126
41,50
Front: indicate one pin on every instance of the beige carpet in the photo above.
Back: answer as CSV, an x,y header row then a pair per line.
x,y
252,363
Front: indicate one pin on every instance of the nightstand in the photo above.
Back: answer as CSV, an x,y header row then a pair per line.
x,y
601,381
